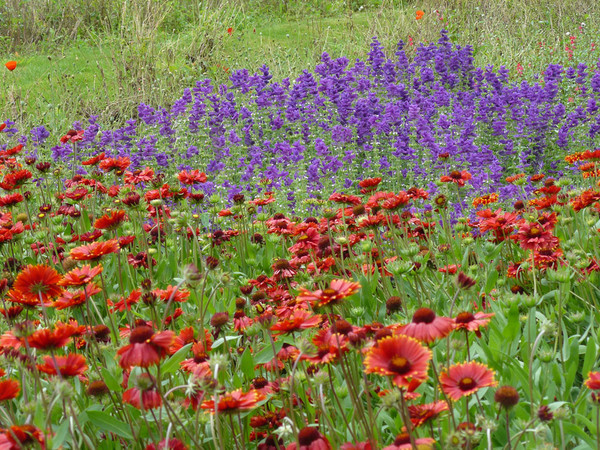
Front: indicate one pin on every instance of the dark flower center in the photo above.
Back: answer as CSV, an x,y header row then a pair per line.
x,y
534,231
456,175
402,438
466,384
308,435
399,365
465,317
423,315
260,383
140,334
329,292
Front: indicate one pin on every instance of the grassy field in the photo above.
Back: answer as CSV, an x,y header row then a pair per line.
x,y
108,59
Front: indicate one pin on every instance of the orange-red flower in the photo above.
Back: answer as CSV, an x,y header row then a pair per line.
x,y
337,290
38,283
427,327
118,164
69,366
419,15
310,439
46,339
401,357
144,395
95,250
534,236
456,176
421,414
234,401
9,389
402,442
11,65
110,221
22,436
81,276
472,322
593,381
465,379
145,348
300,319
76,298
191,177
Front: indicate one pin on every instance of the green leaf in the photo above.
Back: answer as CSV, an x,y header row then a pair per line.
x,y
60,435
247,364
266,354
172,364
111,382
514,325
491,281
590,358
108,423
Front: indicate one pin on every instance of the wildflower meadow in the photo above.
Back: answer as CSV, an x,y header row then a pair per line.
x,y
397,251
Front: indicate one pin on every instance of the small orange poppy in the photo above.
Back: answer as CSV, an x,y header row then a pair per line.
x,y
11,65
420,14
230,31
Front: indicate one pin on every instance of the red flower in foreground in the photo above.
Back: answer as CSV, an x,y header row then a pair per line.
x,y
118,164
68,366
310,439
38,283
9,389
72,136
144,395
234,401
402,442
593,381
110,221
79,277
427,327
534,236
465,379
337,290
230,31
421,414
95,250
11,65
300,319
472,322
145,348
401,357
191,177
456,177
45,339
22,436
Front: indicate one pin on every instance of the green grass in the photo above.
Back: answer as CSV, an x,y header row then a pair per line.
x,y
150,55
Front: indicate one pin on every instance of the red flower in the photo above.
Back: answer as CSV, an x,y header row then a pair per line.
x,y
15,180
345,199
456,177
11,65
69,299
38,283
118,164
465,379
419,15
310,439
337,290
79,277
401,357
234,401
402,442
18,437
95,250
9,389
593,381
94,160
72,136
69,366
145,348
110,221
427,327
45,339
534,236
11,200
139,176
144,395
300,319
191,177
421,414
472,322
172,444
230,31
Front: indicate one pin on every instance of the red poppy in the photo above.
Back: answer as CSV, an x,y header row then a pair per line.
x,y
427,327
337,290
139,176
401,357
457,177
465,379
300,319
309,438
81,276
230,31
38,283
145,348
11,65
9,389
419,14
69,366
110,221
235,401
95,250
94,160
402,442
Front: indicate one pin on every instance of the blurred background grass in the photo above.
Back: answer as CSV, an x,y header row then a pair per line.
x,y
82,57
